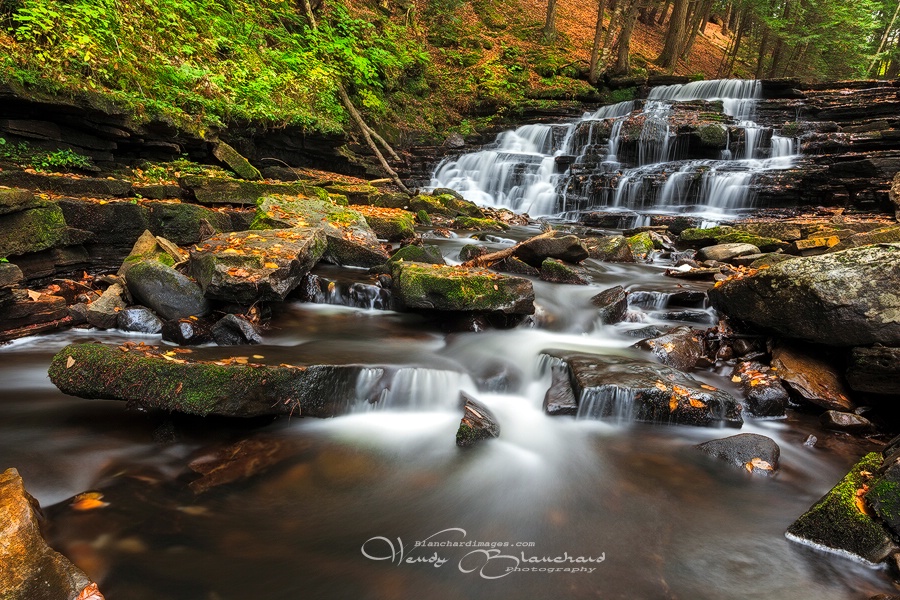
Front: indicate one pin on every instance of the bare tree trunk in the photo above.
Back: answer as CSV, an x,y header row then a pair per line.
x,y
549,31
623,63
669,55
665,11
741,29
697,22
607,39
594,71
884,39
761,57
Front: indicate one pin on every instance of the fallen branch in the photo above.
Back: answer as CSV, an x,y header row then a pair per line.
x,y
494,257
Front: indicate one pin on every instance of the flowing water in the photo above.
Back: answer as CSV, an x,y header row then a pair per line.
x,y
339,516
566,168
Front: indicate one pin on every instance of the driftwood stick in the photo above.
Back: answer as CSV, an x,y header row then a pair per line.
x,y
489,259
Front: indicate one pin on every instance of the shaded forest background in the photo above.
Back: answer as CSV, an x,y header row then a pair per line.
x,y
425,65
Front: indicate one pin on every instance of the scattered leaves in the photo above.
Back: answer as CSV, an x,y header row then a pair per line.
x,y
758,463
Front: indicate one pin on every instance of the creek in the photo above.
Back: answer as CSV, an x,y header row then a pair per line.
x,y
339,515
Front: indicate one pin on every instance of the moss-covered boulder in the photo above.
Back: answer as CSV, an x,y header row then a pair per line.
x,y
169,293
641,244
15,200
221,190
713,135
624,389
840,521
477,424
446,205
842,299
29,569
391,224
356,193
152,378
426,253
459,289
235,161
556,271
724,234
32,230
351,242
476,224
614,248
183,223
250,266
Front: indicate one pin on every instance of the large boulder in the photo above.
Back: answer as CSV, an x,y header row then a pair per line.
x,y
567,248
29,569
810,376
460,289
627,389
183,223
151,378
351,242
391,224
614,248
250,266
166,291
842,299
840,521
32,230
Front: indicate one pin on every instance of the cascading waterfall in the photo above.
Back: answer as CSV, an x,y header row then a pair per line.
x,y
630,157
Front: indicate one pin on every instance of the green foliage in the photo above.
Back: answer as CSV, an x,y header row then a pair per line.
x,y
42,160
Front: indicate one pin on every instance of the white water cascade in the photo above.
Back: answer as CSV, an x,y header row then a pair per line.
x,y
630,157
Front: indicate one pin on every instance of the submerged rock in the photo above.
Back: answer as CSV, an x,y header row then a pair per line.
x,y
29,569
169,293
459,289
611,304
755,453
148,378
477,424
232,330
627,389
841,299
839,521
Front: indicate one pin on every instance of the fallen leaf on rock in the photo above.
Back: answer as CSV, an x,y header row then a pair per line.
x,y
758,463
88,501
91,592
661,386
709,387
673,403
736,379
70,362
34,295
271,265
697,403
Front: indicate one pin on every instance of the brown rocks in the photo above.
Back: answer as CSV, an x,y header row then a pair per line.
x,y
815,379
477,424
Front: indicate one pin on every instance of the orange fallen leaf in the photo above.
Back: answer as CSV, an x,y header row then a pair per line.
x,y
34,295
697,403
736,379
91,592
271,265
673,403
758,463
661,386
709,387
89,501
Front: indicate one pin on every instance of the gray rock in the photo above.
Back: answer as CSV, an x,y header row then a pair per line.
x,y
232,330
167,292
726,252
103,313
875,370
625,389
755,453
187,332
556,271
139,319
560,399
844,421
681,348
766,396
841,299
611,304
235,161
477,424
567,248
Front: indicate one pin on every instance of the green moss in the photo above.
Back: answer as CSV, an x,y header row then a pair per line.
x,y
420,285
423,218
713,135
837,521
31,230
466,436
791,130
885,494
392,226
695,234
430,205
422,254
641,244
479,224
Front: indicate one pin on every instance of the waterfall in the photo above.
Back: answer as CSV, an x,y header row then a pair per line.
x,y
631,156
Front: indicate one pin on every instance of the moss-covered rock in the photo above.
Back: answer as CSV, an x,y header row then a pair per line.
x,y
356,193
641,244
182,223
556,271
15,199
471,251
839,522
149,378
458,289
423,254
614,248
391,224
170,294
446,205
220,190
235,161
882,235
475,223
32,230
724,234
351,242
713,135
250,266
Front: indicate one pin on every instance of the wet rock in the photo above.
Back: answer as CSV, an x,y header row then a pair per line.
x,y
609,249
426,253
477,424
875,370
641,245
117,223
894,195
391,224
459,289
626,389
755,453
361,194
220,190
27,309
239,461
611,304
29,569
183,223
351,242
232,330
448,205
838,299
814,379
516,267
252,266
78,313
66,185
476,224
645,332
560,399
556,271
882,235
139,319
148,248
103,313
725,234
166,291
766,397
837,522
233,159
813,246
32,230
726,252
470,252
146,379
844,421
681,348
187,332
566,248
10,275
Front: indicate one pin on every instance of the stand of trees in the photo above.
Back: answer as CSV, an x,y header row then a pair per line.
x,y
822,39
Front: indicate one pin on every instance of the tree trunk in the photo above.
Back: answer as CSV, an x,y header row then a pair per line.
x,y
594,71
664,12
884,39
623,63
761,56
549,32
701,14
607,39
674,37
741,29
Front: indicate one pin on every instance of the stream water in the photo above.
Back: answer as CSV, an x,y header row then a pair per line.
x,y
340,513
